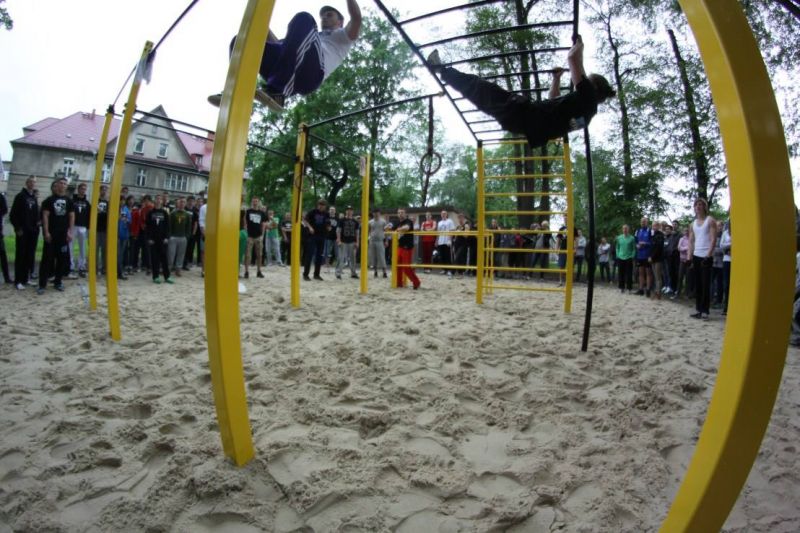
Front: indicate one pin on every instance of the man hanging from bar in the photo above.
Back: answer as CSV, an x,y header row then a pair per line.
x,y
300,62
538,121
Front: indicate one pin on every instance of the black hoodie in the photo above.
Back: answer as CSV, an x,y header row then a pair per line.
x,y
25,212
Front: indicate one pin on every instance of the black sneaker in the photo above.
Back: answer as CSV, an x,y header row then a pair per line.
x,y
59,287
640,292
434,61
696,315
259,274
246,275
318,278
354,276
338,276
384,275
305,277
273,101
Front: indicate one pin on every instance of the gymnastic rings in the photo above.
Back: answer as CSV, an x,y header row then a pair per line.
x,y
430,163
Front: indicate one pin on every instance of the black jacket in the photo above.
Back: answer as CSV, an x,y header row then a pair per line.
x,y
25,212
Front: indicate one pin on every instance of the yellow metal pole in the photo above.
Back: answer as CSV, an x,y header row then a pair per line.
x,y
363,251
98,176
112,231
756,336
395,247
570,229
297,213
222,231
481,227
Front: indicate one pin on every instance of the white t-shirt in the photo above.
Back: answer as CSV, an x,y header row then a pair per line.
x,y
445,225
201,217
335,44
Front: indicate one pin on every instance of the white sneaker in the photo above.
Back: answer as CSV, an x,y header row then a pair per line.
x,y
20,287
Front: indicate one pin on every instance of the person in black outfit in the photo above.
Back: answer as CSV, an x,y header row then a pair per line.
x,y
538,121
255,222
25,219
102,227
317,222
286,239
58,221
194,237
3,256
157,228
657,259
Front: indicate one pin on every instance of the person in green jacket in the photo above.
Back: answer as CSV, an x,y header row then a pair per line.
x,y
180,228
625,247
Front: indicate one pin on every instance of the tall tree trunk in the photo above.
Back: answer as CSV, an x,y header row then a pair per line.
x,y
627,158
699,156
524,203
544,187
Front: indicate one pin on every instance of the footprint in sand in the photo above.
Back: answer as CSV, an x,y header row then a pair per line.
x,y
10,461
582,499
225,523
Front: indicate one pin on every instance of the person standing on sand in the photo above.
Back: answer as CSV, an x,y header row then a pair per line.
x,y
377,242
405,251
347,240
702,241
256,222
157,227
444,242
317,222
25,219
625,248
58,221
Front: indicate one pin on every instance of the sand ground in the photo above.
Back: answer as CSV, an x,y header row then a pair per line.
x,y
398,411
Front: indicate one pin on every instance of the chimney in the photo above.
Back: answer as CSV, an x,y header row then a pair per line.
x,y
94,113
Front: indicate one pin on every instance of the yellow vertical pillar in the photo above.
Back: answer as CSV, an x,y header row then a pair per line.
x,y
98,176
365,185
481,224
570,229
762,276
222,233
297,213
117,174
395,247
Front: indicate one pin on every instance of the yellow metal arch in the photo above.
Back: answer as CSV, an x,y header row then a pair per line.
x,y
118,173
98,176
756,336
222,233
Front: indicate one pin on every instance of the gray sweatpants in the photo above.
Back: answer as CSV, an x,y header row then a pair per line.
x,y
377,255
347,252
176,250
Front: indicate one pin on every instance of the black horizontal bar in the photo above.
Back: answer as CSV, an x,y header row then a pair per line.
x,y
495,31
450,9
374,108
162,117
523,73
251,144
481,121
332,144
503,139
507,54
516,91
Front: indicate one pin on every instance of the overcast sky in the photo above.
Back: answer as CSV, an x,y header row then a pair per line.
x,y
62,57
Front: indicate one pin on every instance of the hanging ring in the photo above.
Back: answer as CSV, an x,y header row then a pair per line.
x,y
430,163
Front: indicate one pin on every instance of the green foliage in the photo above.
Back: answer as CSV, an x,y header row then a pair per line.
x,y
5,18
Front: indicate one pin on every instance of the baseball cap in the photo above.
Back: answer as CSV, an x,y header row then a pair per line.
x,y
323,9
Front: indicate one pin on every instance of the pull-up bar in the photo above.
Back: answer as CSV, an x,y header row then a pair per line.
x,y
496,31
333,144
450,9
507,54
371,109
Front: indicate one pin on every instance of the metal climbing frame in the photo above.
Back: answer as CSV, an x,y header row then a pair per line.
x,y
486,279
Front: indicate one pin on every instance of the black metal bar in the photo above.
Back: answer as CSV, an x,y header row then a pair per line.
x,y
506,54
251,144
488,131
413,47
334,145
496,31
174,24
371,109
162,117
124,84
449,10
481,121
523,73
516,91
503,139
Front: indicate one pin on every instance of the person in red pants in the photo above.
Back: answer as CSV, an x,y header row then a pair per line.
x,y
405,251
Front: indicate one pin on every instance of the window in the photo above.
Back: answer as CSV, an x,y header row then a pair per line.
x,y
154,130
138,148
69,167
162,150
198,160
177,182
105,176
141,177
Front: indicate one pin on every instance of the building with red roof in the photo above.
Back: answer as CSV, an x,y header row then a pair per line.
x,y
158,159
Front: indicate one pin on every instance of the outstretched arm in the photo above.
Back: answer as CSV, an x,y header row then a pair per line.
x,y
353,27
575,60
555,86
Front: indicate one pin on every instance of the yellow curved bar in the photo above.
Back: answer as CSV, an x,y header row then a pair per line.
x,y
98,175
297,214
756,336
222,233
112,231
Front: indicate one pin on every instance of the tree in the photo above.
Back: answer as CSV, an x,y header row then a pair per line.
x,y
5,18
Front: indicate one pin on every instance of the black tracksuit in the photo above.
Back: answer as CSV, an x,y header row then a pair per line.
x,y
25,219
